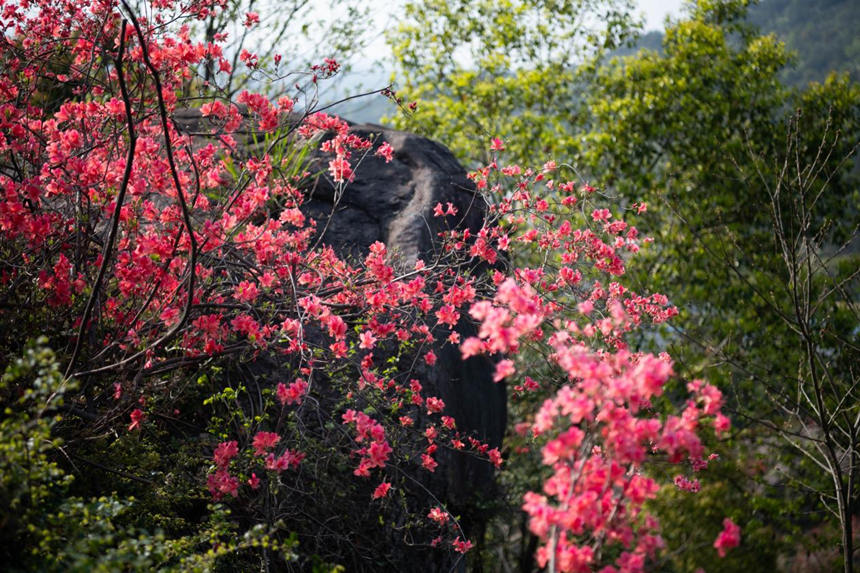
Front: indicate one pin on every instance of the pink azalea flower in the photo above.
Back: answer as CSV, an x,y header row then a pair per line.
x,y
381,490
729,537
137,417
225,452
385,151
438,515
461,546
264,441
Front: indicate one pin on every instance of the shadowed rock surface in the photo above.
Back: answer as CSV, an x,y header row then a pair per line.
x,y
393,203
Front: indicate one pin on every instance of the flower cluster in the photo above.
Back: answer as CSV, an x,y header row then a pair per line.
x,y
368,431
598,428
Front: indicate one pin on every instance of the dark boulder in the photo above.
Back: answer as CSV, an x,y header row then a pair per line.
x,y
393,203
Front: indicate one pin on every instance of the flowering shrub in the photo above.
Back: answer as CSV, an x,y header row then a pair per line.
x,y
147,255
598,428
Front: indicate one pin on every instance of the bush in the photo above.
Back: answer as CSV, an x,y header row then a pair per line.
x,y
208,342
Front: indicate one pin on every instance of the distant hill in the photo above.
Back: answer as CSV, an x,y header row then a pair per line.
x,y
824,34
366,109
350,82
652,40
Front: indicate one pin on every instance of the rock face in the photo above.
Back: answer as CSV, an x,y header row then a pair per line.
x,y
393,203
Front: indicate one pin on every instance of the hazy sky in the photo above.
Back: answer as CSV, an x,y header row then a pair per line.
x,y
656,10
366,68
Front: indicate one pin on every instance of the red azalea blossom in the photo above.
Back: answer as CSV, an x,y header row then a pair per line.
x,y
385,151
438,515
293,393
264,441
221,482
381,490
461,546
434,405
225,452
137,417
729,537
